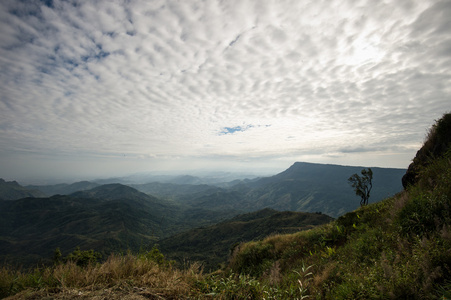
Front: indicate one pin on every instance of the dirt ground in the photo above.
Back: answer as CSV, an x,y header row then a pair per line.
x,y
114,293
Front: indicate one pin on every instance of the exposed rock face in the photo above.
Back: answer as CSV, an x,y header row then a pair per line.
x,y
436,145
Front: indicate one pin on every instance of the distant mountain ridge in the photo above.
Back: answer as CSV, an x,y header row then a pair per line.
x,y
311,187
63,188
107,218
113,191
12,190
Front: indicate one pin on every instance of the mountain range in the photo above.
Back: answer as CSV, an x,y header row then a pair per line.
x,y
116,217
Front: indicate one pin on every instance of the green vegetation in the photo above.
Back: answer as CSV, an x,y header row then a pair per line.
x,y
211,245
437,142
108,219
80,258
399,248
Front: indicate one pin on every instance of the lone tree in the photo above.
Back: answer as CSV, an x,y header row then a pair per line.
x,y
362,185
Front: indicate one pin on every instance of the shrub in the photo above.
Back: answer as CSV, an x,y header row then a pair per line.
x,y
82,258
253,258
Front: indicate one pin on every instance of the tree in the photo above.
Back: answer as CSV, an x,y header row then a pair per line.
x,y
362,185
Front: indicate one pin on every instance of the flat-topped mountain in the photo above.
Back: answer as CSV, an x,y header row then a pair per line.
x,y
313,187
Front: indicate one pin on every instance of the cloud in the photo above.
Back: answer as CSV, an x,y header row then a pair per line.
x,y
187,79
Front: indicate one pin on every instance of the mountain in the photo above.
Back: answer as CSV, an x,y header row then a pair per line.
x,y
11,190
196,177
304,187
108,218
113,191
63,188
398,248
323,188
174,191
212,245
31,228
436,145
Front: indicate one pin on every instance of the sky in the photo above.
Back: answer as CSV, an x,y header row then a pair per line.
x,y
107,88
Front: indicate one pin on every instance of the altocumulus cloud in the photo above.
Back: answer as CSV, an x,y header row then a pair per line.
x,y
339,81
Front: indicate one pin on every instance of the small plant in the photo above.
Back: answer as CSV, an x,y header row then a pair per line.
x,y
305,277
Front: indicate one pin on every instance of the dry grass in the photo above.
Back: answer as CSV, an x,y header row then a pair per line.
x,y
119,275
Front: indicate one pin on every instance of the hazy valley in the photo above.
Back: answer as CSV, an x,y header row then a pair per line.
x,y
114,217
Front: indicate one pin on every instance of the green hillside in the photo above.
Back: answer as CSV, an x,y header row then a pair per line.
x,y
11,190
399,248
109,218
211,245
32,228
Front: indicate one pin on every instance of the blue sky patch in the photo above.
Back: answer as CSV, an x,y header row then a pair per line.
x,y
231,130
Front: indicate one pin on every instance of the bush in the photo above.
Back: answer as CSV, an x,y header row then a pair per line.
x,y
429,207
82,258
253,258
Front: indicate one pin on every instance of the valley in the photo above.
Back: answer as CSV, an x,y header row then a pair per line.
x,y
195,222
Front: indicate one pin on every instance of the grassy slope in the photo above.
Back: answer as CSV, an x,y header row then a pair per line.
x,y
398,248
211,245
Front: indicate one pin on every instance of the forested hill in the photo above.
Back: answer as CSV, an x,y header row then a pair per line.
x,y
12,190
310,187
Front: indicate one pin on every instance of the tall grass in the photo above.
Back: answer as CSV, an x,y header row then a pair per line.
x,y
124,272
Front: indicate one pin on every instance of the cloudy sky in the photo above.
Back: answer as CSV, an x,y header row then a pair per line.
x,y
104,88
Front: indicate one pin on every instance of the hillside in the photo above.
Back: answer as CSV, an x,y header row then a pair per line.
x,y
304,187
211,245
323,188
399,248
12,190
63,188
109,218
32,228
